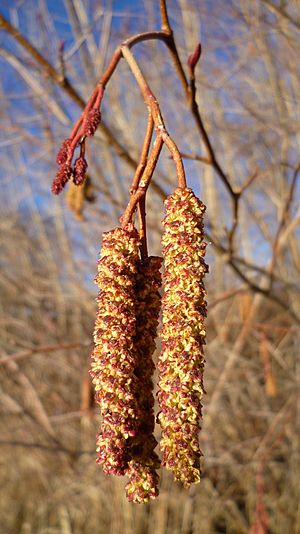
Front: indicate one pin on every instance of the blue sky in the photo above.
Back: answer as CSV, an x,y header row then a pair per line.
x,y
31,16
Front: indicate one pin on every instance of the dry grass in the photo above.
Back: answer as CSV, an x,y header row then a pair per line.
x,y
50,480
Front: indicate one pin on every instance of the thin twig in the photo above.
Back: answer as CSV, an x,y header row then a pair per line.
x,y
135,183
143,227
48,448
156,114
144,183
36,350
283,219
144,154
190,92
266,292
61,81
196,157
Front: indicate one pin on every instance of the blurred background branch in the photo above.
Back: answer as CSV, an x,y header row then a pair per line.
x,y
234,117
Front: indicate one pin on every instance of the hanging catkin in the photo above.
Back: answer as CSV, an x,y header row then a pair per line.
x,y
143,479
184,309
114,356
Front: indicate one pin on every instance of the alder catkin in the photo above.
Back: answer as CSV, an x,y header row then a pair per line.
x,y
114,355
183,335
80,168
63,152
63,175
143,478
91,122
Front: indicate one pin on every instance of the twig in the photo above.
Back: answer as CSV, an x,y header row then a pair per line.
x,y
285,211
142,227
263,291
275,432
190,92
135,183
248,182
61,59
232,262
156,114
165,24
37,350
144,154
228,295
144,183
195,157
64,83
170,42
48,448
282,12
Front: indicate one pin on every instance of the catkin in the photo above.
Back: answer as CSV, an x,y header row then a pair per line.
x,y
183,335
143,479
114,357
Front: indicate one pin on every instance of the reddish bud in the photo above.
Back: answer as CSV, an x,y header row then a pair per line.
x,y
62,177
91,122
80,168
194,57
62,155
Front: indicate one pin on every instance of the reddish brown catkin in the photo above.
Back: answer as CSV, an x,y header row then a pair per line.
x,y
62,155
114,355
184,309
143,479
63,175
80,168
91,122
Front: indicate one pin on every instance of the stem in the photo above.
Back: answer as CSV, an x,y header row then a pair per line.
x,y
144,183
135,183
170,42
142,227
156,114
88,106
165,24
82,149
96,98
144,154
283,219
189,88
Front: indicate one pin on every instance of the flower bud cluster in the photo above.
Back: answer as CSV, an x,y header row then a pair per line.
x,y
63,175
114,355
183,335
80,168
91,122
143,479
62,155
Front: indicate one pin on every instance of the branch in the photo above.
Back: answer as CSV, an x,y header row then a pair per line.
x,y
266,292
48,448
190,92
280,11
152,103
36,350
62,82
144,154
144,183
36,87
135,183
285,211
